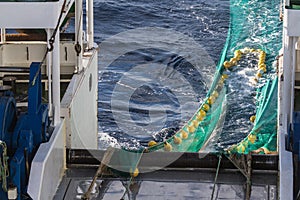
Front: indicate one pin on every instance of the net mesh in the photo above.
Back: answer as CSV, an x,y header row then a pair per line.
x,y
244,37
248,28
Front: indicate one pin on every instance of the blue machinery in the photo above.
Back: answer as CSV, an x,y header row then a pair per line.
x,y
293,138
293,145
20,137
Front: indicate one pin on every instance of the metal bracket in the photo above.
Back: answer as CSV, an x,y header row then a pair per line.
x,y
244,164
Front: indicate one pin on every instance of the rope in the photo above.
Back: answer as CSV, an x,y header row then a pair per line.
x,y
4,172
51,42
216,177
107,156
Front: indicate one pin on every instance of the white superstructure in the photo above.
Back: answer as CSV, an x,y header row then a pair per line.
x,y
71,60
288,73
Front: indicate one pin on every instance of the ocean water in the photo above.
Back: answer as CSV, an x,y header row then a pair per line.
x,y
157,60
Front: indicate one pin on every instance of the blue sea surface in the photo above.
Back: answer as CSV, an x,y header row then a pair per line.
x,y
154,84
157,60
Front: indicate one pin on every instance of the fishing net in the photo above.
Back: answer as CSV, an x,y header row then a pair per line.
x,y
244,38
264,38
249,34
263,137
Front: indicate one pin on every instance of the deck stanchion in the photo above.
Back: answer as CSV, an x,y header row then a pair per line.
x,y
78,34
49,74
89,24
56,80
3,36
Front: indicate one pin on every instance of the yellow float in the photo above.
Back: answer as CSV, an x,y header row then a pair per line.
x,y
184,134
135,173
177,140
202,113
233,61
211,100
196,123
227,64
206,107
252,138
252,118
151,143
167,146
191,128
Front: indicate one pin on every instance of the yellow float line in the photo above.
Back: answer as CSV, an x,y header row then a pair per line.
x,y
262,68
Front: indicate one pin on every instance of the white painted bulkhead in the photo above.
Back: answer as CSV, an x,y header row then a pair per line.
x,y
287,72
79,105
32,15
22,54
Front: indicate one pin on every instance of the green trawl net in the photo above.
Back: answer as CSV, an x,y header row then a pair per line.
x,y
263,136
254,36
255,24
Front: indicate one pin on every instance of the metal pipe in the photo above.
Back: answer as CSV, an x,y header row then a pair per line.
x,y
78,34
56,80
14,69
3,36
49,73
92,158
287,62
89,23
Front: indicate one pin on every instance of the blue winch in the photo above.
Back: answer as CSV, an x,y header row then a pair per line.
x,y
20,136
293,137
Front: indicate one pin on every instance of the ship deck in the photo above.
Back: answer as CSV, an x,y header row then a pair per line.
x,y
192,176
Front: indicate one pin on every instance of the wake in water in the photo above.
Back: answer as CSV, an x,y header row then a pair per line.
x,y
146,107
158,88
